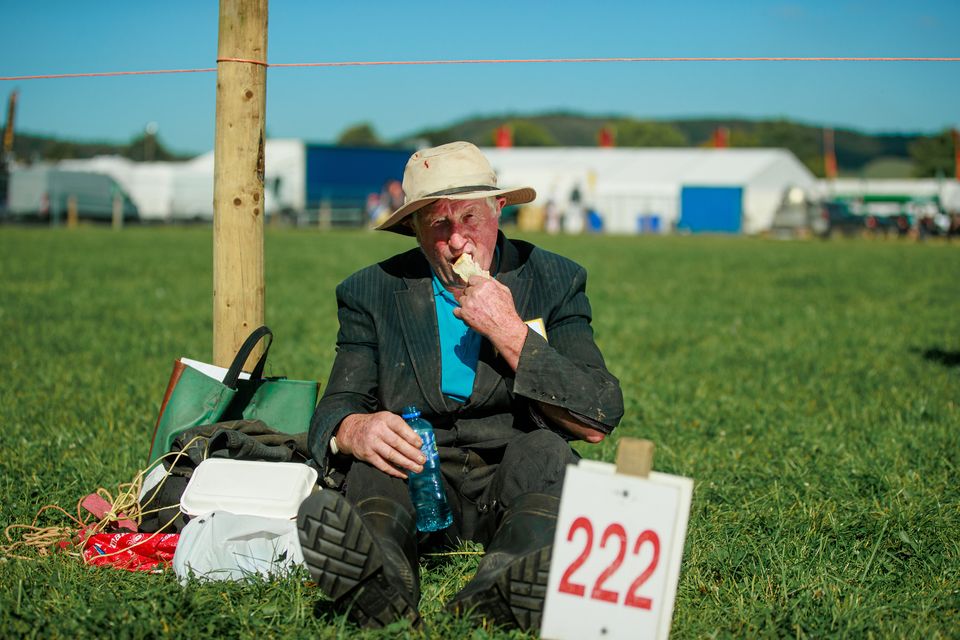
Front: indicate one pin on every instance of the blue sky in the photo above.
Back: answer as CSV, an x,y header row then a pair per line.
x,y
44,37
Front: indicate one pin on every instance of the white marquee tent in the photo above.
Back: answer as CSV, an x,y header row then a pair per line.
x,y
623,185
167,191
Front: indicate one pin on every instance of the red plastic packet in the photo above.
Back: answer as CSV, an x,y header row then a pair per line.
x,y
131,551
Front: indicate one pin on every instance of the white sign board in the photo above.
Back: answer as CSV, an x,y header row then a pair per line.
x,y
616,554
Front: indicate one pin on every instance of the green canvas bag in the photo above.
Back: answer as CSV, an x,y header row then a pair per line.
x,y
196,395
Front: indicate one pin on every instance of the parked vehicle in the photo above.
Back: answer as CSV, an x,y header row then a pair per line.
x,y
797,216
838,219
880,214
42,194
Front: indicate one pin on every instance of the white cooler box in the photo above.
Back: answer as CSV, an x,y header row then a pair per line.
x,y
242,522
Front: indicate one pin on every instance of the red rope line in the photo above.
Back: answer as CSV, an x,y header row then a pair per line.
x,y
490,61
103,74
259,62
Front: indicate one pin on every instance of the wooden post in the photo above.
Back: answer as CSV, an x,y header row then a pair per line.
x,y
72,213
324,215
635,457
117,212
238,280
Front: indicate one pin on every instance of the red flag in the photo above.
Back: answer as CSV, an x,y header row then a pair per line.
x,y
721,138
956,153
605,137
504,136
8,129
829,155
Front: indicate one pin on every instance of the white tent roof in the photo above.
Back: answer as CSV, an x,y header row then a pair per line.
x,y
615,168
856,187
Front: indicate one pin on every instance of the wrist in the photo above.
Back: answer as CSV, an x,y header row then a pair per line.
x,y
340,440
511,343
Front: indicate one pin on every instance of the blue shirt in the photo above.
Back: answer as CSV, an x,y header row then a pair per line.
x,y
459,346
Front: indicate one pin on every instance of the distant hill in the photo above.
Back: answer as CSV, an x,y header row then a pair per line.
x,y
858,154
34,148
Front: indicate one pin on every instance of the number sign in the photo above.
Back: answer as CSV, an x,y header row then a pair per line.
x,y
616,554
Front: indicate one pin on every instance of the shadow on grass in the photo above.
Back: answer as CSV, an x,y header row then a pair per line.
x,y
936,354
940,356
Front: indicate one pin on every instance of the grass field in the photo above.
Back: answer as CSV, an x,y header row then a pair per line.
x,y
811,389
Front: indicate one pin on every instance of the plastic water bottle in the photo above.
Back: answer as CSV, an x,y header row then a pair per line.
x,y
426,487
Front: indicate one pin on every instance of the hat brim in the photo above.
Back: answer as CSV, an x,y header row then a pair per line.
x,y
397,222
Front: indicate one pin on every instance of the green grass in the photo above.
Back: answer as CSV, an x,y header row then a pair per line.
x,y
811,389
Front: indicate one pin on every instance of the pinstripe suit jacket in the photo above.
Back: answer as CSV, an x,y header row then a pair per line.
x,y
388,353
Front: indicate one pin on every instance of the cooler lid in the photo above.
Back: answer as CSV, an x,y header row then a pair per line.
x,y
248,487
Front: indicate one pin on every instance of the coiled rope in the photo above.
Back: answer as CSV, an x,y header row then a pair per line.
x,y
125,506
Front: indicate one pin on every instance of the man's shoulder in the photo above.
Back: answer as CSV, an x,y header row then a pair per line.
x,y
394,269
538,258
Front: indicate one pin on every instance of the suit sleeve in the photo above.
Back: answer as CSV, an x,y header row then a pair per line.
x,y
567,369
352,385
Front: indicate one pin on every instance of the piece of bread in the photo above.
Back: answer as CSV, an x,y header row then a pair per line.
x,y
466,268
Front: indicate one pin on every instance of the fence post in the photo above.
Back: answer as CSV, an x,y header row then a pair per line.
x,y
238,273
117,212
72,213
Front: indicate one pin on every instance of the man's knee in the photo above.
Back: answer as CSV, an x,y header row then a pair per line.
x,y
533,463
365,481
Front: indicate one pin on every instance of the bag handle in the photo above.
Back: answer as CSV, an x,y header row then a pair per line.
x,y
233,374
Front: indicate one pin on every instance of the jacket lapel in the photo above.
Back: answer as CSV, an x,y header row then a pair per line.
x,y
418,322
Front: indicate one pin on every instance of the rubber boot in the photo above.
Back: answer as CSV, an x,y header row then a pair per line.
x,y
363,556
511,581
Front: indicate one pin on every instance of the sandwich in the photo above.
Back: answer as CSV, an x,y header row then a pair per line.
x,y
466,268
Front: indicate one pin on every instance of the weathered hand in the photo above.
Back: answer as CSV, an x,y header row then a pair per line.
x,y
487,307
382,439
563,419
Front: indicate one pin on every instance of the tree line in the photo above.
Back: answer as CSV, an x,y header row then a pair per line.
x,y
857,153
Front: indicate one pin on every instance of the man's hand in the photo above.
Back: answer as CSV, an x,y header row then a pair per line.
x,y
487,307
382,439
563,419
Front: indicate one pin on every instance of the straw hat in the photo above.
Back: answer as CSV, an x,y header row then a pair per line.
x,y
455,171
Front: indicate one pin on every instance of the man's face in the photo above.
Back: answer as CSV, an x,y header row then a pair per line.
x,y
447,229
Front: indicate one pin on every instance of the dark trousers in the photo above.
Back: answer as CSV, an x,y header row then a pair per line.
x,y
480,484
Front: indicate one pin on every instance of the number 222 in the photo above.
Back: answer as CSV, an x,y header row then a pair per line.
x,y
598,592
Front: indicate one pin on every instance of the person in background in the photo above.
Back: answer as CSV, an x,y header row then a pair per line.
x,y
372,208
503,365
573,216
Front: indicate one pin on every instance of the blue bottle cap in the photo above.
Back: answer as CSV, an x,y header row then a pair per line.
x,y
410,412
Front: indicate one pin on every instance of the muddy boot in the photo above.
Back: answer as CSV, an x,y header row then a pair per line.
x,y
363,556
511,580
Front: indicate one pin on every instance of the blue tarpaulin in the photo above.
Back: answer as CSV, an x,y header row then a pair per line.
x,y
711,209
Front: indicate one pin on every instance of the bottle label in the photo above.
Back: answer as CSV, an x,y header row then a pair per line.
x,y
429,448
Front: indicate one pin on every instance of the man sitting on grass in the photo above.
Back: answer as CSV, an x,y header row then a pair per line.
x,y
505,367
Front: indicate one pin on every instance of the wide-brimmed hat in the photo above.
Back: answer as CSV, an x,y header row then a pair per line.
x,y
455,171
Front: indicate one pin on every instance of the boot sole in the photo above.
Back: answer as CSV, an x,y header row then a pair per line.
x,y
343,559
516,598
